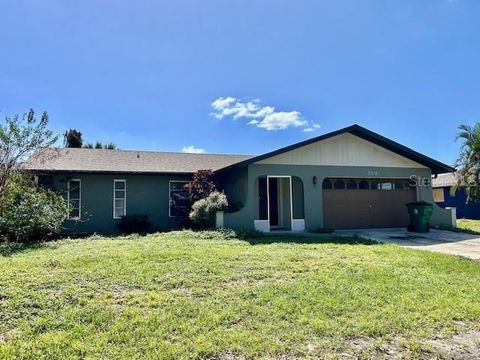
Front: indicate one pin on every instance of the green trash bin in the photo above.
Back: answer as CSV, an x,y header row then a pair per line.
x,y
420,214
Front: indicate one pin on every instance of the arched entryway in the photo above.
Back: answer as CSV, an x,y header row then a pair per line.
x,y
280,203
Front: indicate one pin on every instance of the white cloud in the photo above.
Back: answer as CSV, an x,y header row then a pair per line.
x,y
312,127
264,117
193,150
221,106
282,121
229,106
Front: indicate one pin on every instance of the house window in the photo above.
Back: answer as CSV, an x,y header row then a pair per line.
x,y
327,184
399,185
179,199
376,185
351,185
119,198
387,185
339,185
363,185
74,201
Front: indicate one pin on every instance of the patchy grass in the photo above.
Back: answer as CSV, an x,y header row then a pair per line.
x,y
203,295
470,226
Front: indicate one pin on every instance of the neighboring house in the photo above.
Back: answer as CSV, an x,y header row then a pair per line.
x,y
350,178
441,195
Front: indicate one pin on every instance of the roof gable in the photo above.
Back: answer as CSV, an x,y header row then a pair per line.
x,y
342,150
436,166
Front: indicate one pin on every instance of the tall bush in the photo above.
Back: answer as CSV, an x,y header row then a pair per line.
x,y
30,213
204,210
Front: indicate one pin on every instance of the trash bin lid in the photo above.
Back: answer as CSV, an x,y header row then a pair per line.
x,y
419,203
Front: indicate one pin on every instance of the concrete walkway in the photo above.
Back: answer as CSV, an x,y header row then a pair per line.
x,y
443,241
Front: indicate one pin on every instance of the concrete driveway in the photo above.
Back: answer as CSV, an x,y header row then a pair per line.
x,y
443,241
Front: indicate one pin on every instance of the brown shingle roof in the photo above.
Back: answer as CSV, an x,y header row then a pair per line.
x,y
121,161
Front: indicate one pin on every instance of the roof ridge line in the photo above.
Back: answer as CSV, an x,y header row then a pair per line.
x,y
149,151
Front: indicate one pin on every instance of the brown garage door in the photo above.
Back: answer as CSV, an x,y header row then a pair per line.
x,y
364,203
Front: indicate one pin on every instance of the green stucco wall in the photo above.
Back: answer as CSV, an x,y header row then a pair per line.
x,y
313,192
149,195
146,195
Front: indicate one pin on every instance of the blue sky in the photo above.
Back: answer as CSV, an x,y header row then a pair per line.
x,y
146,74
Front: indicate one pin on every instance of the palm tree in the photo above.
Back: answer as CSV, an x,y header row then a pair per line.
x,y
468,164
99,145
110,146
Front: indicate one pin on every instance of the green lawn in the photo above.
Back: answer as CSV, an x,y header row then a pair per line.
x,y
472,226
187,295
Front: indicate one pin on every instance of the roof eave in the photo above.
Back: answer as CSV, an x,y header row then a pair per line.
x,y
436,166
105,172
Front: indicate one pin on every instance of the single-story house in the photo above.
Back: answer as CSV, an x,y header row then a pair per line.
x,y
442,186
350,178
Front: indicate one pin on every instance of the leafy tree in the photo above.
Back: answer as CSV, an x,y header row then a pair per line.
x,y
202,185
73,139
20,137
27,212
468,163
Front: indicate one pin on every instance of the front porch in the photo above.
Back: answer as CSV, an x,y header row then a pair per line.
x,y
280,204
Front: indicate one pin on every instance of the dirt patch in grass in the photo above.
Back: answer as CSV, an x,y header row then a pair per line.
x,y
461,346
458,346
